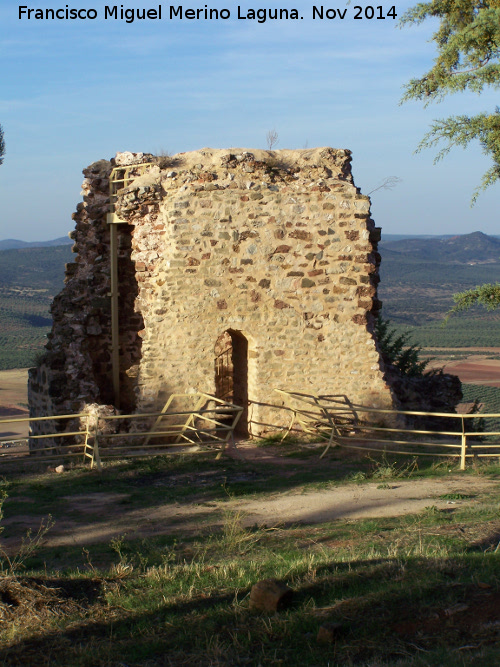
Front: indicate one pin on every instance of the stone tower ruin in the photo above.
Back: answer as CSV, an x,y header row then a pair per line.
x,y
236,273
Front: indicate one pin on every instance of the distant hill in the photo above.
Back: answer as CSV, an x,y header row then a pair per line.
x,y
419,277
398,237
14,244
35,268
30,277
468,248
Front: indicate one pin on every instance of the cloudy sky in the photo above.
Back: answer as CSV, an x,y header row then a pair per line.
x,y
75,91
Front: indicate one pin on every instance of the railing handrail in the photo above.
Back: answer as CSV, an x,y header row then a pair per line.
x,y
7,420
324,414
363,408
183,429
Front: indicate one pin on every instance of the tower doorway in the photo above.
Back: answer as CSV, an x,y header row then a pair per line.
x,y
231,373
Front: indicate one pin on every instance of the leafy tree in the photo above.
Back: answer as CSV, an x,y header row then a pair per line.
x,y
397,350
468,45
484,295
2,145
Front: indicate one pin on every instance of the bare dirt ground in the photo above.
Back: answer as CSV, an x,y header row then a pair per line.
x,y
84,519
473,370
351,501
14,390
13,402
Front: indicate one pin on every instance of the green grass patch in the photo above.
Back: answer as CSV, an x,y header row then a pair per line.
x,y
456,496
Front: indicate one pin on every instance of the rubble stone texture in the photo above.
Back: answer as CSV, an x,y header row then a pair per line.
x,y
239,272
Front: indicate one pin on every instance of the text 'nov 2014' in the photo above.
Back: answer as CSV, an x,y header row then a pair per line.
x,y
204,13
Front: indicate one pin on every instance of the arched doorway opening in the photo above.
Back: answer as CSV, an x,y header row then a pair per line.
x,y
231,373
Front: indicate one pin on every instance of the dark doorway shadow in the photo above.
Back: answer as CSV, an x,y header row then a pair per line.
x,y
231,374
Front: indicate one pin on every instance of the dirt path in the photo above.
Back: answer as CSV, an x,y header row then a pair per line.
x,y
361,501
346,501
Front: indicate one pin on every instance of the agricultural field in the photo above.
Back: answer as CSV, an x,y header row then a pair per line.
x,y
475,370
29,280
475,329
488,399
26,321
14,402
419,278
488,396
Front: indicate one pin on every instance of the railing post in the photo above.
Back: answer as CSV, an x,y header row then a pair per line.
x,y
87,433
96,456
464,446
115,331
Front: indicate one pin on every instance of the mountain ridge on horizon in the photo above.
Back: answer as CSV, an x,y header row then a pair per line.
x,y
474,247
17,244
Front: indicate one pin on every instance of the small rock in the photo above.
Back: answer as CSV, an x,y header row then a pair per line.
x,y
455,609
127,158
270,595
328,633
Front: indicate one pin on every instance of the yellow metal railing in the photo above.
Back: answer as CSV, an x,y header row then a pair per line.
x,y
54,449
336,420
210,421
207,420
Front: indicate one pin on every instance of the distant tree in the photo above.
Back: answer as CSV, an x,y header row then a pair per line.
x,y
468,46
487,295
397,349
272,139
389,183
2,145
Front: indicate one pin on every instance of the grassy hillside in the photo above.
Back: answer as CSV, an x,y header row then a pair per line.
x,y
29,280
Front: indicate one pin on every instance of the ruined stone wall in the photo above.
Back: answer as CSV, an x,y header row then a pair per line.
x,y
276,247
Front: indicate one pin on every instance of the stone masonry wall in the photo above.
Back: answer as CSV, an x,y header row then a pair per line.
x,y
276,247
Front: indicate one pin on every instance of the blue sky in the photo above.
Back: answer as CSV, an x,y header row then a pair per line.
x,y
73,92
